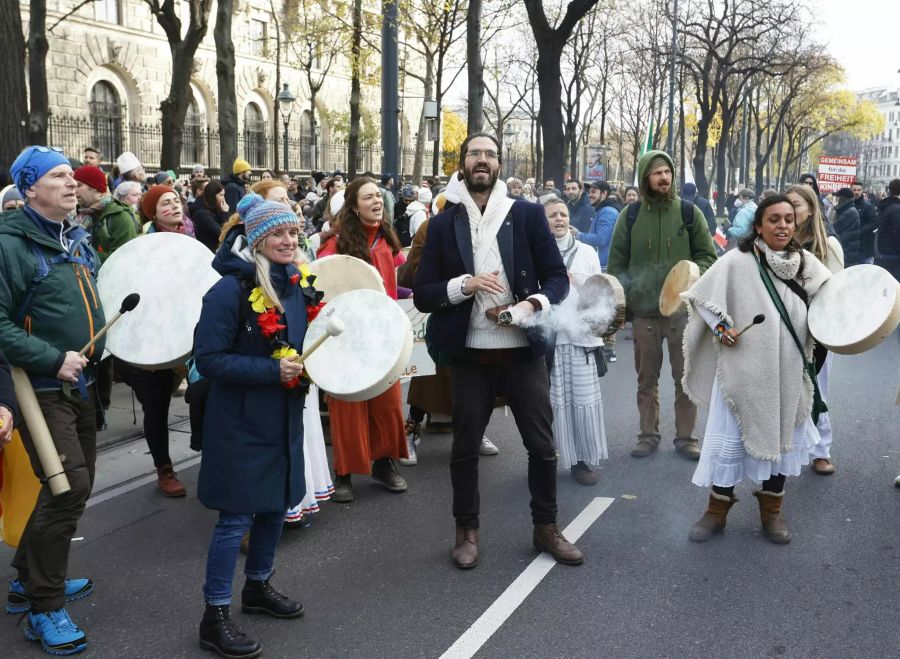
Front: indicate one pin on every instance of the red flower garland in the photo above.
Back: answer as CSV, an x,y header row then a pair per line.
x,y
268,323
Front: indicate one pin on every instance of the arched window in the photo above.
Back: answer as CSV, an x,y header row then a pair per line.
x,y
254,135
192,134
106,112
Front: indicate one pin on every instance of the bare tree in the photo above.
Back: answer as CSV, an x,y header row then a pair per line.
x,y
227,106
550,43
38,46
475,67
13,102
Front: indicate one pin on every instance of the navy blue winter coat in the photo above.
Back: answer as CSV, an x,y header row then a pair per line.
x,y
253,427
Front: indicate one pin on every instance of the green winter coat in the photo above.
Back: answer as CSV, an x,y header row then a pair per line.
x,y
65,310
658,242
114,227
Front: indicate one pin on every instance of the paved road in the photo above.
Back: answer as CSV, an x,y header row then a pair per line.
x,y
376,579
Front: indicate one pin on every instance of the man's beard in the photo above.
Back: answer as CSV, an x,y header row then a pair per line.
x,y
480,187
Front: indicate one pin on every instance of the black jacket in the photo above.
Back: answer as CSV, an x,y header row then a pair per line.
x,y
846,226
889,227
868,218
235,189
207,224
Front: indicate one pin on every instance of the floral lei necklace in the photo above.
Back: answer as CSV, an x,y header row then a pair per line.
x,y
269,320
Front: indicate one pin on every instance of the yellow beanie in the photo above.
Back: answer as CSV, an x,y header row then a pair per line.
x,y
240,166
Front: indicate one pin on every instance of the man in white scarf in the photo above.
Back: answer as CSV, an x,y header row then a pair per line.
x,y
486,252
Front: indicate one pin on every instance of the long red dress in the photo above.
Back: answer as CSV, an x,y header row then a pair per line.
x,y
372,429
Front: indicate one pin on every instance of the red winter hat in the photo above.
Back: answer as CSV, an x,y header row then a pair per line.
x,y
92,176
151,198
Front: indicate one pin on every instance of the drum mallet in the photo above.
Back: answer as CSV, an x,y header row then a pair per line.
x,y
39,433
757,319
333,327
129,303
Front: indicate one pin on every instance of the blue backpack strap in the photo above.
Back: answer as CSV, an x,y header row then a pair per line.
x,y
41,270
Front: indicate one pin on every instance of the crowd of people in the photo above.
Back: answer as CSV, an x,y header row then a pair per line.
x,y
489,260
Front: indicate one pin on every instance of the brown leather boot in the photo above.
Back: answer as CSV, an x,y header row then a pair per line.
x,y
465,551
773,523
548,538
168,482
713,520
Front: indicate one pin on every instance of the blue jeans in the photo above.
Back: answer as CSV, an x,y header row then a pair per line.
x,y
265,531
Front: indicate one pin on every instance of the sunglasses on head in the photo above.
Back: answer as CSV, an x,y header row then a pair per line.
x,y
36,149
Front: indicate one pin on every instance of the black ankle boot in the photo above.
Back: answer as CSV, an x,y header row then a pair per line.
x,y
260,597
218,633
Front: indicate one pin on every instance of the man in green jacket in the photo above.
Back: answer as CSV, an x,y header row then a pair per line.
x,y
49,309
111,222
641,256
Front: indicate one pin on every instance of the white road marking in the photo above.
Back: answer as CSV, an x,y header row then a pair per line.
x,y
124,488
504,606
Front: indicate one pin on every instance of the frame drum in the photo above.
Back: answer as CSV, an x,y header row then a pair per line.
x,y
339,273
855,310
680,278
604,293
369,355
171,272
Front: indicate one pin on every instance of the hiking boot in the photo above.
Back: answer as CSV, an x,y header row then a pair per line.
x,y
260,597
17,601
583,473
488,447
773,523
384,470
687,447
412,439
548,538
343,490
713,520
56,632
168,482
645,446
218,633
823,466
465,550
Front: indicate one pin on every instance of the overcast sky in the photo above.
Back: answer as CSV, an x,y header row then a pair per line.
x,y
864,36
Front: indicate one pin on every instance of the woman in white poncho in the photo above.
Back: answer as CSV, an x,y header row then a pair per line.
x,y
758,387
578,429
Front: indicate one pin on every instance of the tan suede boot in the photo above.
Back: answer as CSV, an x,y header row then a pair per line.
x,y
773,523
713,520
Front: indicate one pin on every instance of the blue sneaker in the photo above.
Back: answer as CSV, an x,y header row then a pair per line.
x,y
17,601
56,632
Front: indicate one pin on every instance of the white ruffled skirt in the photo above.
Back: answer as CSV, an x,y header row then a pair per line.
x,y
319,486
578,429
723,460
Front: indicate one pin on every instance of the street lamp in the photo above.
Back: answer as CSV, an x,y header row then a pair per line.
x,y
508,134
285,103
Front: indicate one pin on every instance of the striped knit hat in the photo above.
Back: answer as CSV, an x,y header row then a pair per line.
x,y
264,217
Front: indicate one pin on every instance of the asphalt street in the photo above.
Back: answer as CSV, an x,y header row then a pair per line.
x,y
377,581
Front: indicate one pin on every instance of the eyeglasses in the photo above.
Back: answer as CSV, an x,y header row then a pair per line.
x,y
489,154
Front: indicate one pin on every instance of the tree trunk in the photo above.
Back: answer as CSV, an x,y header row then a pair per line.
x,y
174,107
538,153
37,73
421,133
227,106
355,95
14,102
550,91
475,67
699,160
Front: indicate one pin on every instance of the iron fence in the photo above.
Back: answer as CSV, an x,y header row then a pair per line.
x,y
201,145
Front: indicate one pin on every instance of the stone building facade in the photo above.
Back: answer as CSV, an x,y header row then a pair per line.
x,y
879,160
109,68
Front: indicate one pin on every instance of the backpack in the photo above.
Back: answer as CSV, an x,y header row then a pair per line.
x,y
401,226
687,222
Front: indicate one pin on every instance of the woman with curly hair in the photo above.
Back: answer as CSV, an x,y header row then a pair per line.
x,y
367,437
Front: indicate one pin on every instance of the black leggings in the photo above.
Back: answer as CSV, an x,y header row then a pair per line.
x,y
774,485
154,392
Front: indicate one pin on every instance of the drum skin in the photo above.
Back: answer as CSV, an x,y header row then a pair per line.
x,y
171,272
599,290
369,355
855,310
680,278
339,273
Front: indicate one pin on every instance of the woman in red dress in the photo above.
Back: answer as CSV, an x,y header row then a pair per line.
x,y
369,436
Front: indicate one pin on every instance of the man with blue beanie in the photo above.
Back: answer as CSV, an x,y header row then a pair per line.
x,y
49,309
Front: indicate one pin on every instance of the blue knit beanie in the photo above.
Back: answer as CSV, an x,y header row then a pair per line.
x,y
264,217
33,163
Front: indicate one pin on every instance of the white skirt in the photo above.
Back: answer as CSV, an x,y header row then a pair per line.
x,y
723,460
578,428
822,447
319,486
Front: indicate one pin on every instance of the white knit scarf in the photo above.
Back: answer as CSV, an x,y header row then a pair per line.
x,y
484,227
763,378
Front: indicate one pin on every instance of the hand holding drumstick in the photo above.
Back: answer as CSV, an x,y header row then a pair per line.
x,y
730,336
